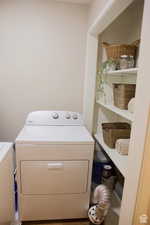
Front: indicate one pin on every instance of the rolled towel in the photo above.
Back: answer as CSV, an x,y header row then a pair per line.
x,y
131,105
122,146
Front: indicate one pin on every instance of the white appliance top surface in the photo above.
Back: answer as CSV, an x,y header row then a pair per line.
x,y
4,148
54,118
54,135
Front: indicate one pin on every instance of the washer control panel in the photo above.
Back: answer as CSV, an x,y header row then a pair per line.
x,y
54,118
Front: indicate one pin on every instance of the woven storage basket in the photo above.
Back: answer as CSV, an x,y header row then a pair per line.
x,y
115,51
123,93
114,131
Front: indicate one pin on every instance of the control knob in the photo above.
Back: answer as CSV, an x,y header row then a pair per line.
x,y
67,116
55,115
75,116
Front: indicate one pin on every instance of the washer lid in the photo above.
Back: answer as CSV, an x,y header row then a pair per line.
x,y
54,135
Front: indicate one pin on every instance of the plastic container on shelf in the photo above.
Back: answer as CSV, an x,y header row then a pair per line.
x,y
108,178
123,62
131,61
126,62
107,171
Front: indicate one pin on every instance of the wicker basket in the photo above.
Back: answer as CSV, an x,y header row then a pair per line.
x,y
114,131
115,51
123,93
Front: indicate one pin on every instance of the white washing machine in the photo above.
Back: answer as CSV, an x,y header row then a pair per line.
x,y
7,206
54,154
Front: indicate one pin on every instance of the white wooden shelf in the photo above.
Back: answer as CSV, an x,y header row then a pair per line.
x,y
123,113
126,71
120,161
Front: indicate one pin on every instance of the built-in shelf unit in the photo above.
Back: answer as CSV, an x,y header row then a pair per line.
x,y
105,110
125,29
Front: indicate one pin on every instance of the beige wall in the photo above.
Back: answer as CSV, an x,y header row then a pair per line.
x,y
42,58
95,9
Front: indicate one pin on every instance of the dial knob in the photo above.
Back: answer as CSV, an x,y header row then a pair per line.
x,y
55,115
67,116
75,116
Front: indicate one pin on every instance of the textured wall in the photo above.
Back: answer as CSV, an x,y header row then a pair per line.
x,y
42,58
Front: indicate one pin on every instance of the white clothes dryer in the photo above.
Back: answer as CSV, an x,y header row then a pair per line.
x,y
54,155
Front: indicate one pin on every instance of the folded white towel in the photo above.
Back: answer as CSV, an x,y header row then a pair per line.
x,y
131,105
122,146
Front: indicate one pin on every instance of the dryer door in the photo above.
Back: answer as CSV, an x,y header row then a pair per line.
x,y
54,177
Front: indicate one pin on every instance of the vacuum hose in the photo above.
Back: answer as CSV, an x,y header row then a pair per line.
x,y
101,199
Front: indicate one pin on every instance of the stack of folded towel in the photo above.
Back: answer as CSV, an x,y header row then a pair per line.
x,y
122,146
